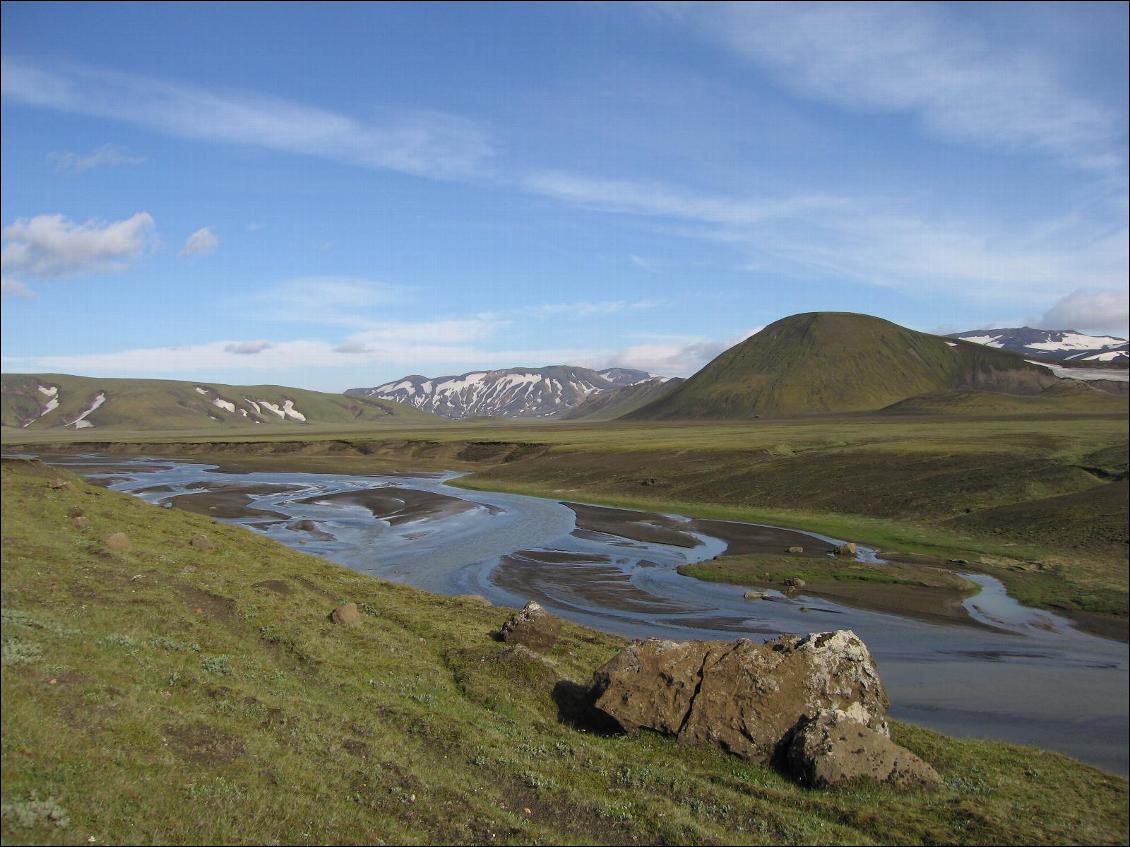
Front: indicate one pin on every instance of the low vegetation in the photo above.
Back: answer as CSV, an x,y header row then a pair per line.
x,y
185,693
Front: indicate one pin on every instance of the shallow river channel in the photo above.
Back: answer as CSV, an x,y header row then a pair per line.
x,y
1023,675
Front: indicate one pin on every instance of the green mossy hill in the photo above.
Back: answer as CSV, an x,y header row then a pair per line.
x,y
175,692
1064,397
140,405
822,362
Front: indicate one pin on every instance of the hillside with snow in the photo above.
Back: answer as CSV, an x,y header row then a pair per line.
x,y
548,392
1053,345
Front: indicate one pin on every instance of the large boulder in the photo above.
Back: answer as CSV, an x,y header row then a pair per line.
x,y
832,749
743,697
532,627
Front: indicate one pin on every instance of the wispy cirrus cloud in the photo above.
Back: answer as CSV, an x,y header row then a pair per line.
x,y
14,288
107,155
915,58
421,142
202,242
50,246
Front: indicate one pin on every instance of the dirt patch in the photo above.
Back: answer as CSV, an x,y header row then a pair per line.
x,y
310,528
278,586
199,742
310,585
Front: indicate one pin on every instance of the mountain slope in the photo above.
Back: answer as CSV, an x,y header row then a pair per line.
x,y
43,401
513,392
617,402
1056,345
821,362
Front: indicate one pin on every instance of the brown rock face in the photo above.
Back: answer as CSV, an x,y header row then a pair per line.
x,y
533,627
118,541
346,614
832,749
743,697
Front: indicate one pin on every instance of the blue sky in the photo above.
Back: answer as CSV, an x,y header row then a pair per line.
x,y
337,195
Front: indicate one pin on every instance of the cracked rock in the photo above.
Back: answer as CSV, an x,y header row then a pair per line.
x,y
742,697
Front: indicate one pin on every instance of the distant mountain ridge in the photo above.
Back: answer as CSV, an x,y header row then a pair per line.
x,y
547,392
832,362
1056,345
46,401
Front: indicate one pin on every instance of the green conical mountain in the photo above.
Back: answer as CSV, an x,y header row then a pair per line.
x,y
821,362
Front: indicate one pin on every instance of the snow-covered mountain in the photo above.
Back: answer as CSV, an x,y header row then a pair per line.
x,y
513,393
1058,345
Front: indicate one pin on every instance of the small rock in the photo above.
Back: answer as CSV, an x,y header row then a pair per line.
x,y
74,512
795,582
533,627
755,595
118,541
832,749
957,562
80,522
846,549
649,481
202,542
346,614
56,484
795,549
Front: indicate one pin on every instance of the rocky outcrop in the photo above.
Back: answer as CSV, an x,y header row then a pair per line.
x,y
346,614
742,697
201,542
532,627
832,749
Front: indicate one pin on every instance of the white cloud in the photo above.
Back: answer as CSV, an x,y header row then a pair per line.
x,y
1094,310
658,199
201,243
105,156
49,246
14,288
669,357
918,59
421,142
870,240
584,308
247,348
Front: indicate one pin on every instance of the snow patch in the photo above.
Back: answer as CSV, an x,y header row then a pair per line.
x,y
81,422
951,343
987,340
291,412
271,407
224,404
203,391
49,390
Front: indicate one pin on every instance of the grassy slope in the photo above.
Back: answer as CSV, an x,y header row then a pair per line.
x,y
171,405
837,362
615,403
158,695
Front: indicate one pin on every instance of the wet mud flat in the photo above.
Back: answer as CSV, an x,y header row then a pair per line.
x,y
398,505
683,532
228,500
